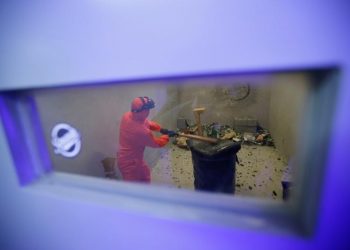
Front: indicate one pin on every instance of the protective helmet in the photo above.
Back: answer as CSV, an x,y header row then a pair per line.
x,y
141,103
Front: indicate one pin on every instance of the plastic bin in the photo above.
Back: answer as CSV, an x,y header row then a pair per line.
x,y
214,166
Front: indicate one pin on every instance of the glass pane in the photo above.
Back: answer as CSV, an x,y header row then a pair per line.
x,y
255,119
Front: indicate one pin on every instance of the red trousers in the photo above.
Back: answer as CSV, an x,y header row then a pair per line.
x,y
135,171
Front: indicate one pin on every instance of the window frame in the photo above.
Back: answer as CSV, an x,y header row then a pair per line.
x,y
297,216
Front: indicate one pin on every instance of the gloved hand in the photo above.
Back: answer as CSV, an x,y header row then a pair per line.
x,y
170,133
154,126
162,140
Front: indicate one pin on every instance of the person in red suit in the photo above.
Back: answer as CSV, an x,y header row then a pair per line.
x,y
135,134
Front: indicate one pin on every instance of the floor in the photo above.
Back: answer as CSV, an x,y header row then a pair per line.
x,y
258,173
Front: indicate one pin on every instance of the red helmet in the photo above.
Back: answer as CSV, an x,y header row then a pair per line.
x,y
141,103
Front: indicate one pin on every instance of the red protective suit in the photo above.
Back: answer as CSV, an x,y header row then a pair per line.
x,y
134,135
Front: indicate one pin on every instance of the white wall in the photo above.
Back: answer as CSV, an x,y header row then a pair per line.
x,y
289,93
276,101
96,113
208,93
47,43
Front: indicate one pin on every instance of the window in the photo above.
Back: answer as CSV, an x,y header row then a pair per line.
x,y
279,122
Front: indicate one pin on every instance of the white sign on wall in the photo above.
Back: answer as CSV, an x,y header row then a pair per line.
x,y
66,140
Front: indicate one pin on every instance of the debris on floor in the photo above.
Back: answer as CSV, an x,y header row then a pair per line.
x,y
260,136
181,142
259,169
258,174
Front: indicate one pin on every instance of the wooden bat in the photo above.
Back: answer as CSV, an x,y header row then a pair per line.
x,y
200,138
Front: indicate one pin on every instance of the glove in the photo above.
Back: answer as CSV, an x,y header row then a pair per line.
x,y
153,126
162,140
170,133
